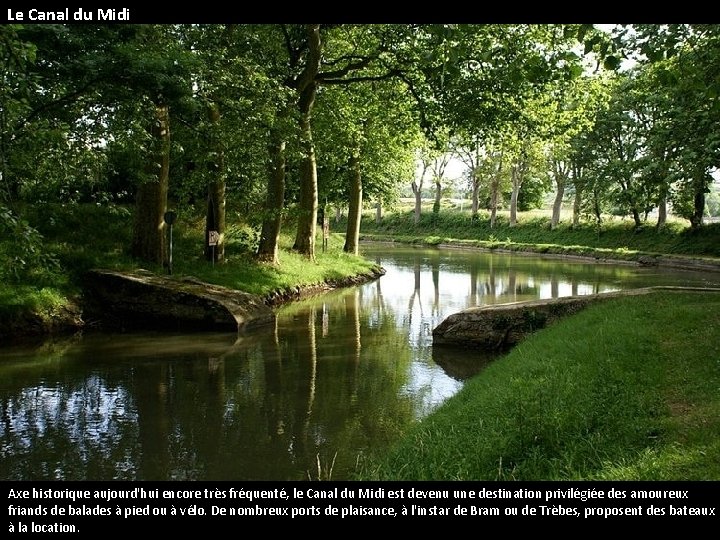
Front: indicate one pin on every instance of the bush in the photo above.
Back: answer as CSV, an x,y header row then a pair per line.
x,y
22,254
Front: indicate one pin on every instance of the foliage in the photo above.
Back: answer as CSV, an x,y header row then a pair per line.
x,y
533,229
23,254
513,101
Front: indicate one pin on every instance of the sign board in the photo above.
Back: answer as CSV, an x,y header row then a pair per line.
x,y
170,217
213,238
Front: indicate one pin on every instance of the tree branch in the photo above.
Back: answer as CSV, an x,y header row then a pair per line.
x,y
67,98
352,66
368,78
310,72
293,54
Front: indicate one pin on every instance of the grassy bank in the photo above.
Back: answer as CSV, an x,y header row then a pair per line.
x,y
616,238
624,390
78,238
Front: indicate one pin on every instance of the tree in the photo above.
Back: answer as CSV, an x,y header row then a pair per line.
x,y
619,141
470,151
348,55
368,130
425,163
160,74
525,153
83,80
15,57
682,61
480,81
148,241
572,115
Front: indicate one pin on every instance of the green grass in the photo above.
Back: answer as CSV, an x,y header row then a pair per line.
x,y
295,270
80,237
629,390
43,301
617,238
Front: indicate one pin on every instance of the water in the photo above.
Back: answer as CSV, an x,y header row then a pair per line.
x,y
337,378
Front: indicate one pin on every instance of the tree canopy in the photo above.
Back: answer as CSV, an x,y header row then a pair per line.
x,y
284,119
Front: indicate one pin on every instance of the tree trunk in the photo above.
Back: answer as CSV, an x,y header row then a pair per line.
x,y
438,197
338,213
417,191
149,236
308,200
518,176
696,220
274,202
557,203
493,203
597,209
215,217
662,213
495,192
514,200
560,181
475,194
352,236
378,211
636,217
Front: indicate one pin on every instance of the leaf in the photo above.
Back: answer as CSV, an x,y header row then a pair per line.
x,y
590,43
611,62
576,71
583,30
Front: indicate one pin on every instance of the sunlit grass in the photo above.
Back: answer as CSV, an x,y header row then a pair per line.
x,y
85,237
616,238
623,390
41,300
82,237
241,271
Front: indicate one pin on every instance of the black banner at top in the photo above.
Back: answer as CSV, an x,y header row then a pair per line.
x,y
139,15
289,13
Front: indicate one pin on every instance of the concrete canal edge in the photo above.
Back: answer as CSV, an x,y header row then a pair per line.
x,y
142,299
500,326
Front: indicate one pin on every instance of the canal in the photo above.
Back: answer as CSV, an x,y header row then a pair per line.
x,y
335,380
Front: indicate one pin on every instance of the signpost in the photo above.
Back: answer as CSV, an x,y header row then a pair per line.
x,y
170,218
213,239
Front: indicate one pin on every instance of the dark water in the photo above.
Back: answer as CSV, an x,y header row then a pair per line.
x,y
337,378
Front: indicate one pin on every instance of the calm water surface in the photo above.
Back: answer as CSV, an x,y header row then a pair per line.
x,y
338,377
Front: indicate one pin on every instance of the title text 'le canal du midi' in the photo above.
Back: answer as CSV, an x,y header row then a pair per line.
x,y
66,15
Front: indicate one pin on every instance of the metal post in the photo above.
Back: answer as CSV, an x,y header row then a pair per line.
x,y
170,254
170,218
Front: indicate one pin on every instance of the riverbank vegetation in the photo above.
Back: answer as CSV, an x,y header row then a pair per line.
x,y
625,390
265,129
80,237
617,238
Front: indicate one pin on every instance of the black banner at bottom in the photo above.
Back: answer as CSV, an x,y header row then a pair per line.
x,y
85,508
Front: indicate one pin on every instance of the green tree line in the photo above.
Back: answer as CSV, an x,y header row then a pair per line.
x,y
288,120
